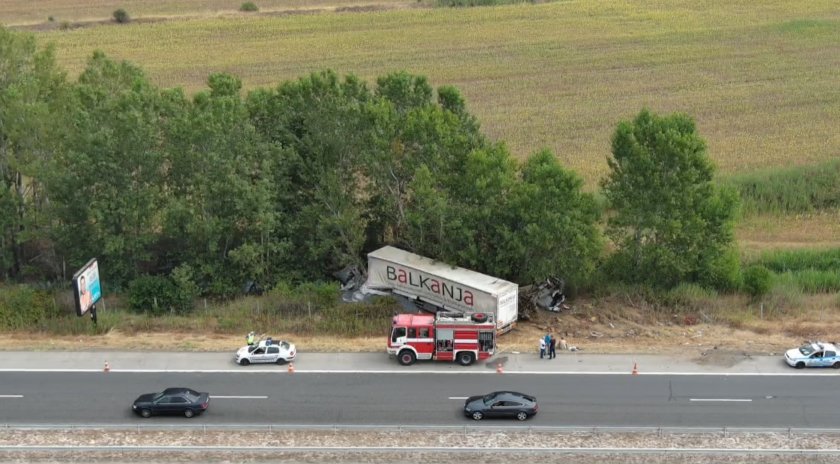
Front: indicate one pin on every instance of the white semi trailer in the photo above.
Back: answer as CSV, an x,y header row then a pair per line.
x,y
448,287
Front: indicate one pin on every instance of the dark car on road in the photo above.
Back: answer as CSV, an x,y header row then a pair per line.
x,y
501,404
181,401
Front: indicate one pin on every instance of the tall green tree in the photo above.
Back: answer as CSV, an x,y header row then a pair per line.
x,y
413,131
32,95
106,184
320,123
555,231
669,221
220,214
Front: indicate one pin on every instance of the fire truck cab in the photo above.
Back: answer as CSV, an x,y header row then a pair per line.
x,y
445,336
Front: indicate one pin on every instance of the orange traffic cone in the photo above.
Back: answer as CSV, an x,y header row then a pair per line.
x,y
107,367
635,369
291,368
499,369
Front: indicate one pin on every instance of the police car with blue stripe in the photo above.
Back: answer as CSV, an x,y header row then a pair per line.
x,y
813,354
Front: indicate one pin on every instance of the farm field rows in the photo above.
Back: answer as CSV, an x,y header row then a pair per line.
x,y
760,82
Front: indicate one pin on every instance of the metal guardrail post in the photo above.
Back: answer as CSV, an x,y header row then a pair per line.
x,y
724,432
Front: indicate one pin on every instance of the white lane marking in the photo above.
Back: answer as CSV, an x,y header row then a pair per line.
x,y
722,400
11,396
240,397
458,397
488,371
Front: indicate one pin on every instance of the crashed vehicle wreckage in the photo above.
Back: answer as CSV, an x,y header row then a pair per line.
x,y
431,286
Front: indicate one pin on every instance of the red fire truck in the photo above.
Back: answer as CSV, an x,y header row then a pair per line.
x,y
445,336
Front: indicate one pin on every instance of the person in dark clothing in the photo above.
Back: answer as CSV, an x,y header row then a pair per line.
x,y
552,343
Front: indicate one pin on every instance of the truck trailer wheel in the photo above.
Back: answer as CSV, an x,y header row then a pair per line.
x,y
465,358
479,317
406,357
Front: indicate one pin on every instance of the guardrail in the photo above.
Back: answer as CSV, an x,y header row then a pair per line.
x,y
464,429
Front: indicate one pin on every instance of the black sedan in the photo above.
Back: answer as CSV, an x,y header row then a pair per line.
x,y
184,401
501,404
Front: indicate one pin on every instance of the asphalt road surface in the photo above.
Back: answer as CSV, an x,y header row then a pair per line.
x,y
585,400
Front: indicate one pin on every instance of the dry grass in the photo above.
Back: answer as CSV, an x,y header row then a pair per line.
x,y
25,12
730,324
759,81
764,232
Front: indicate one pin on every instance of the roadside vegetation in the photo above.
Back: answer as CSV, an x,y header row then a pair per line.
x,y
283,181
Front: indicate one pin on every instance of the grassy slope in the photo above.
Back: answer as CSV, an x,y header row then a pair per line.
x,y
761,82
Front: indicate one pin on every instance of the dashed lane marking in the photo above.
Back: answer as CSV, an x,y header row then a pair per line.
x,y
721,400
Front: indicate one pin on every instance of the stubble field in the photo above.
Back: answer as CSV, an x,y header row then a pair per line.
x,y
760,81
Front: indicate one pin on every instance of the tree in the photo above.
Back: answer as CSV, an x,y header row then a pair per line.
x,y
32,95
320,123
669,221
555,224
220,212
106,183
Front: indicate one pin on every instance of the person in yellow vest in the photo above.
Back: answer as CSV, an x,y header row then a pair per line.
x,y
251,339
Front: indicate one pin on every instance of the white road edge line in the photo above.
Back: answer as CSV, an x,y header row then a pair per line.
x,y
240,397
11,396
458,397
722,400
425,372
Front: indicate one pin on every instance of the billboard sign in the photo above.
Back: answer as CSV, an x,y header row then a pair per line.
x,y
86,288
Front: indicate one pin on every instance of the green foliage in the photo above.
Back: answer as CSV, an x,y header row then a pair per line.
x,y
784,296
689,296
799,189
121,16
159,295
757,280
22,307
670,223
554,225
780,261
106,183
32,99
249,6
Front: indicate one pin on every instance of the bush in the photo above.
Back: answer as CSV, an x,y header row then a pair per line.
x,y
121,16
162,295
23,307
757,280
248,6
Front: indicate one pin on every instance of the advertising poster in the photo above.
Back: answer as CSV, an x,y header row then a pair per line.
x,y
86,287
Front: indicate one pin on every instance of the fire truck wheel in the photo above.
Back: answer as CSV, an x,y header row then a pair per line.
x,y
522,415
407,357
477,415
479,317
465,358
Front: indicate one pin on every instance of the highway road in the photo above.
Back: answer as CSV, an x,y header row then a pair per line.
x,y
369,398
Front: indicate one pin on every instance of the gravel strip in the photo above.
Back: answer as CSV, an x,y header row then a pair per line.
x,y
481,447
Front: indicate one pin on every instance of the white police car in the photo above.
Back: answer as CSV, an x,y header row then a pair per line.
x,y
266,351
813,354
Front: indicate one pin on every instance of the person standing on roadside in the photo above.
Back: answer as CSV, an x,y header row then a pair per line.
x,y
563,344
552,353
547,341
542,347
